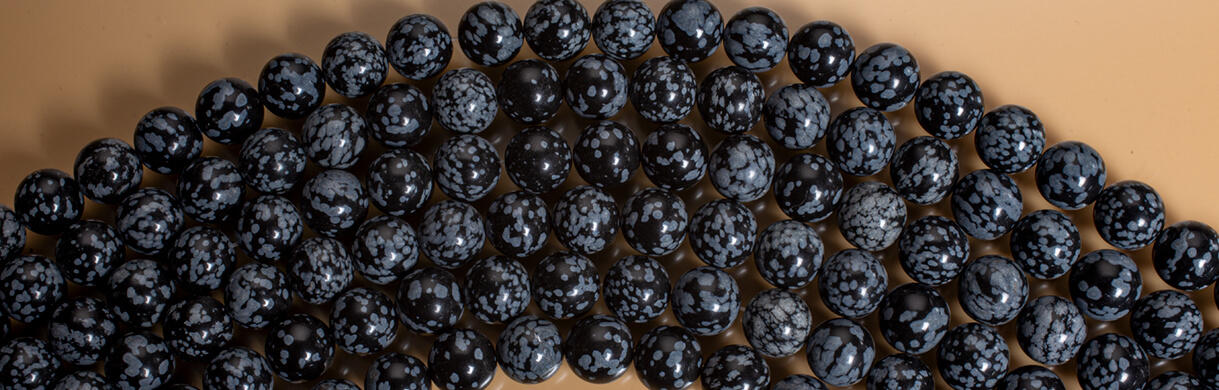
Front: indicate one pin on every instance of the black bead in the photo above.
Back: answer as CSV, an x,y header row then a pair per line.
x,y
490,33
466,167
1070,175
107,170
663,89
139,291
736,367
272,161
291,86
821,53
528,349
689,30
519,224
730,99
623,29
1010,139
706,301
202,258
636,289
1186,255
948,105
537,159
238,368
755,39
139,360
595,86
496,289
840,352
400,182
654,221
396,371
885,77
12,233
860,141
429,301
269,228
419,46
451,233
1129,215
81,330
742,167
461,359
807,187
913,318
48,201
385,249
972,356
148,220
797,116
211,190
565,285
319,270
668,357
364,321
933,250
674,157
1112,361
398,115
1045,243
299,348
530,91
585,219
1167,324
722,233
464,101
354,64
901,371
557,30
167,139
606,154
228,110
257,295
1105,284
334,203
87,251
924,169
598,348
788,254
334,136
986,204
197,328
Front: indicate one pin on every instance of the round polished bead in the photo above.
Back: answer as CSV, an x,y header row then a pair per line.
x,y
972,356
27,363
1174,380
1010,139
755,39
663,89
840,352
742,167
272,161
148,220
788,254
799,382
81,380
461,359
365,321
861,141
821,53
948,105
451,233
797,116
496,289
776,323
1186,255
668,357
385,249
606,154
1030,378
992,290
490,33
674,157
736,367
257,295
530,91
48,201
519,224
419,46
722,233
986,204
139,291
396,371
1105,284
12,234
636,289
334,136
398,115
623,29
1045,243
429,301
1112,361
807,187
557,30
885,77
528,349
228,110
585,219
399,182
238,368
354,64
202,258
107,170
689,30
538,160
291,85
1070,175
595,86
269,228
706,301
80,331
730,99
654,221
464,100
1206,359
871,216
598,348
87,251
299,348
334,203
197,328
924,169
1167,324
565,285
167,139
319,270
466,167
1050,330
1129,215
139,360
900,372
933,250
852,283
913,318
211,190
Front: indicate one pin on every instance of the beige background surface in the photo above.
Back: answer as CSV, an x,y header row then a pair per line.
x,y
1136,80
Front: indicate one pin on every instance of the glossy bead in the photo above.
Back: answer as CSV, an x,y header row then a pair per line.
x,y
706,301
598,348
776,323
623,29
464,100
228,110
30,287
933,250
272,161
557,30
87,251
585,219
654,221
461,359
48,201
1030,378
742,167
80,331
354,64
496,289
730,99
319,270
900,372
885,77
451,233
139,360
530,91
1174,380
755,39
519,222
1206,359
538,160
299,347
840,352
1070,175
674,157
913,318
291,86
334,136
736,367
871,216
797,116
334,203
722,233
606,154
107,170
81,380
821,53
807,187
429,301
668,357
565,285
396,371
385,249
26,363
197,328
923,170
860,141
948,105
257,294
364,321
636,289
1010,139
167,139
12,234
419,46
1186,255
799,382
1050,330
466,167
1105,284
490,33
788,254
238,368
139,291
1045,244
1167,324
852,283
528,349
662,89
398,115
148,220
399,182
972,356
595,85
1112,361
335,384
1129,215
689,30
269,228
210,190
992,290
986,204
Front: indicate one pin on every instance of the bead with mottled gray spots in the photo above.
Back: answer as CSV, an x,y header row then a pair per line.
x,y
197,328
948,105
12,233
291,85
238,368
595,86
668,357
496,289
429,301
336,384
528,349
799,382
299,348
228,110
871,216
742,167
1174,380
48,201
1050,330
167,139
797,116
529,90
27,363
319,270
861,141
466,167
257,294
885,77
490,33
986,204
776,323
537,159
334,203
398,115
272,161
139,361
565,285
1129,215
465,101
334,136
852,283
585,219
755,39
840,352
706,301
139,291
913,318
900,372
518,223
788,254
81,380
107,170
1167,324
972,356
419,46
354,64
992,290
730,99
269,228
1010,139
1070,175
1206,359
557,30
933,250
1045,243
821,53
598,348
1031,378
365,321
210,190
807,187
654,221
451,233
722,233
80,330
636,289
148,220
674,156
606,154
1105,284
399,182
1112,362
461,359
689,30
736,367
385,249
87,251
923,170
396,371
1186,255
623,29
662,89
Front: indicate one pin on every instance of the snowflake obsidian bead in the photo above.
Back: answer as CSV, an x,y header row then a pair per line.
x,y
900,372
466,167
496,289
840,352
81,380
992,290
148,220
799,382
689,30
913,318
87,251
1206,359
429,301
885,77
585,219
257,294
736,367
796,116
636,289
269,228
451,233
595,86
238,368
197,328
598,348
364,321
663,89
396,371
490,33
518,223
139,291
606,154
788,254
299,347
528,349
821,53
860,141
948,105
722,233
354,64
706,300
228,110
1050,330
1010,139
668,357
1030,378
1129,215
48,201
398,115
972,356
742,167
537,159
1174,380
319,270
334,203
336,384
27,363
565,285
167,139
623,29
12,234
80,331
1167,324
272,161
530,91
334,136
1105,284
871,216
933,250
1070,175
776,323
807,187
419,46
654,221
291,85
464,100
210,190
1112,361
755,39
399,182
557,30
139,360
1045,243
107,170
1186,255
674,156
385,249
852,283
730,99
923,170
461,359
986,204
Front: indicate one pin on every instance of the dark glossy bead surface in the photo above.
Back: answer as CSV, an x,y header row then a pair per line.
x,y
334,136
81,380
595,85
557,30
48,201
238,368
1186,255
706,301
336,384
30,287
272,161
730,99
107,170
464,100
1167,324
623,29
197,328
1174,380
1031,378
606,154
821,53
291,86
461,359
674,157
490,33
419,46
228,110
319,270
496,289
519,224
429,301
354,64
788,254
399,182
1105,284
530,91
840,352
860,141
668,357
466,167
807,187
210,190
797,116
722,233
80,331
585,219
776,323
257,294
885,77
565,285
871,216
755,39
852,283
923,170
900,372
451,233
269,228
662,89
799,382
139,360
636,289
1051,330
398,115
1112,361
689,30
913,318
299,347
1070,175
598,348
1010,139
27,363
992,290
148,220
365,321
1045,243
12,233
167,139
334,203
933,250
1206,359
87,251
538,160
736,367
396,371
654,221
986,204
528,349
139,291
972,356
742,167
1129,215
948,105
385,249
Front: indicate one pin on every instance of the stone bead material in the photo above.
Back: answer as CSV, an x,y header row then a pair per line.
x,y
861,141
972,356
490,33
1186,255
1045,244
87,251
538,160
797,116
107,170
807,187
530,91
885,77
496,289
334,203
167,139
722,233
451,233
776,323
12,234
840,352
465,100
291,86
238,368
1206,359
138,292
606,154
900,372
257,295
354,64
585,219
742,167
1070,175
399,182
466,167
557,30
663,89
518,223
736,367
1129,215
730,99
948,105
228,110
27,363
30,288
788,254
852,283
80,331
674,157
398,115
598,348
755,39
385,249
1010,139
320,269
334,136
924,169
799,382
336,384
148,220
654,221
706,301
913,318
623,29
396,371
992,290
211,190
933,250
1167,324
48,201
595,86
299,347
461,359
139,360
1112,361
668,357
272,161
986,204
565,285
689,30
1030,378
197,328
636,289
1174,380
429,301
419,46
1050,330
528,349
364,321
269,228
81,380
1105,284
871,216
821,53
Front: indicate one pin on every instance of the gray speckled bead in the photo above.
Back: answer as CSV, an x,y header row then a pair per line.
x,y
924,169
852,283
1045,243
81,380
598,348
429,301
1010,139
799,382
400,182
528,349
992,290
689,30
197,328
861,141
228,110
776,323
1031,378
1070,175
871,216
821,53
385,249
557,30
948,105
1206,359
107,170
398,115
674,157
299,347
490,33
933,250
354,64
518,223
730,99
972,356
396,371
334,203
585,219
986,204
530,91
12,233
606,154
80,331
668,357
210,190
272,161
419,46
1167,324
48,201
167,138
148,220
1174,380
269,228
138,291
797,116
722,233
742,167
755,39
88,250
320,270
913,318
291,85
706,300
1050,330
565,285
736,367
139,361
1112,362
466,167
537,159
636,289
364,321
1129,215
595,86
900,372
807,187
788,254
238,368
840,352
885,77
662,89
335,384
654,221
257,294
334,136
496,289
461,359
451,233
465,100
26,364
1105,284
1186,255
623,29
